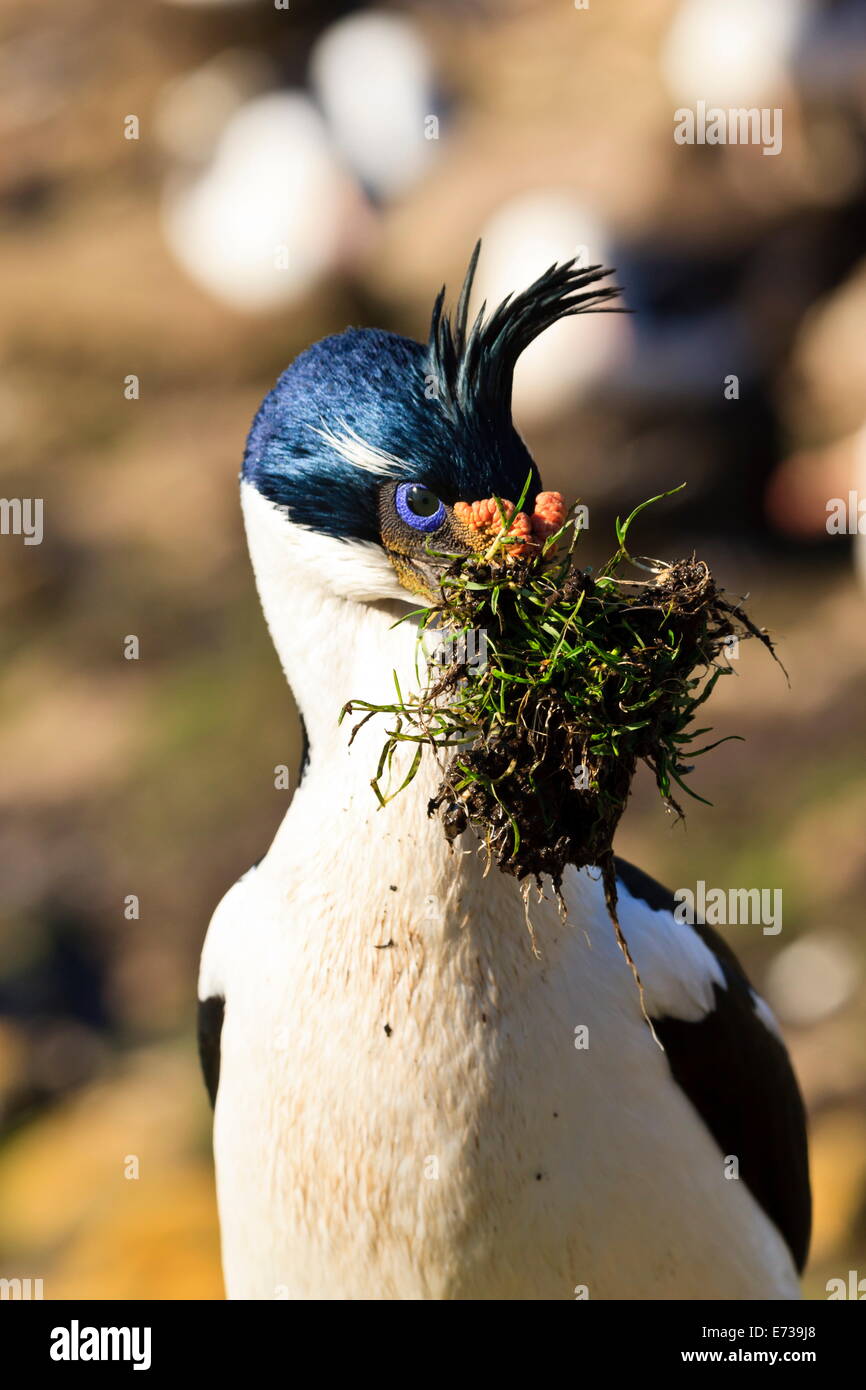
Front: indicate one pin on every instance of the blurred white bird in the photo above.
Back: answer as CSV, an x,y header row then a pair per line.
x,y
735,54
272,211
522,238
373,77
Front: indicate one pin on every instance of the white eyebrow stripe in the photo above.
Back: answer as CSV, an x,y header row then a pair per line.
x,y
353,449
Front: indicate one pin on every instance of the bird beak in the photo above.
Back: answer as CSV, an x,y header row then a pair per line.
x,y
476,528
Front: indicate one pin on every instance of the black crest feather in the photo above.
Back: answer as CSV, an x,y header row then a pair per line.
x,y
473,367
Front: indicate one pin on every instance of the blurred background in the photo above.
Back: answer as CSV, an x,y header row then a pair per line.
x,y
190,194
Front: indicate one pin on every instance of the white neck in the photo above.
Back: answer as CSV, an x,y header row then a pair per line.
x,y
331,608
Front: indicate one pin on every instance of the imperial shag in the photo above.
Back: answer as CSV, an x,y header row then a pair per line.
x,y
400,1107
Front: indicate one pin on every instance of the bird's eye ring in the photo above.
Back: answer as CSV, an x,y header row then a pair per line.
x,y
419,507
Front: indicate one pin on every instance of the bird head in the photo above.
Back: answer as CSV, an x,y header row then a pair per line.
x,y
380,457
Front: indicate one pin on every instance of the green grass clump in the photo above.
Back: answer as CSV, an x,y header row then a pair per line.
x,y
587,675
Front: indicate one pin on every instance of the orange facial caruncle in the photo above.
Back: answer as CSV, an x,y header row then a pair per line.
x,y
528,531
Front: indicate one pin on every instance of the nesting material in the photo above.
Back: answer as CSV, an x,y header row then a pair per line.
x,y
584,676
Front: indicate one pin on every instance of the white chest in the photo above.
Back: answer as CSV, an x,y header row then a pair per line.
x,y
403,1111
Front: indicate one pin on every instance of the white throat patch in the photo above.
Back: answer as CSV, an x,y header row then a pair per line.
x,y
285,553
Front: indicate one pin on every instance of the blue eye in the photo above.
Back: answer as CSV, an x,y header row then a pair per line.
x,y
419,507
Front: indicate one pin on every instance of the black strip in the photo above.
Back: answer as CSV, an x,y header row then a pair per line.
x,y
305,750
210,1027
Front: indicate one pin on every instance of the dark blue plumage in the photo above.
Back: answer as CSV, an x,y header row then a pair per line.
x,y
374,383
443,409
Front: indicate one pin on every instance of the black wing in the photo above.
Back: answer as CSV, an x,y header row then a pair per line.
x,y
738,1077
210,1027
